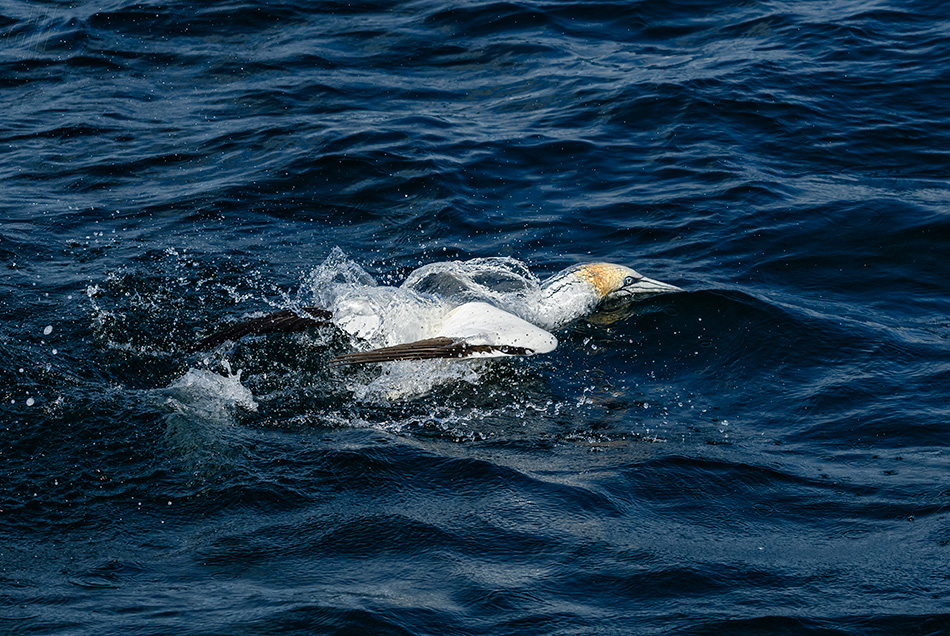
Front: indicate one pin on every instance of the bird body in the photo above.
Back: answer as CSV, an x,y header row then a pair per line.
x,y
475,309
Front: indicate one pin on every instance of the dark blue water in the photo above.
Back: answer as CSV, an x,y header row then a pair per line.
x,y
766,453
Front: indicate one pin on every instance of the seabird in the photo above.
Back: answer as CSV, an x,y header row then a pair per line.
x,y
453,326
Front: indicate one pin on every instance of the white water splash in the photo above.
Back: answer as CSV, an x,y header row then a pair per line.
x,y
209,396
200,424
400,381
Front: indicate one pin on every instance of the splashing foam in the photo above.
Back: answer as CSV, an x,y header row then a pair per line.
x,y
201,409
400,381
209,396
502,281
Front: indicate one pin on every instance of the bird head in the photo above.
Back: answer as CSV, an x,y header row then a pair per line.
x,y
578,291
619,283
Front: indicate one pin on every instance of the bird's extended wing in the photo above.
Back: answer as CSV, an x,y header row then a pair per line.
x,y
285,321
474,330
429,349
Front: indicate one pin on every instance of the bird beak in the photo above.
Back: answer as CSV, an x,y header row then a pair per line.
x,y
618,305
647,287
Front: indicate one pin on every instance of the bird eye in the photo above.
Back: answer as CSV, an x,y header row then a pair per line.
x,y
629,280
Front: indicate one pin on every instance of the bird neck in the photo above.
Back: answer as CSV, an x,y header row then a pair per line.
x,y
565,298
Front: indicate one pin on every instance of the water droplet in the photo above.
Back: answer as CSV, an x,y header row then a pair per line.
x,y
48,330
30,401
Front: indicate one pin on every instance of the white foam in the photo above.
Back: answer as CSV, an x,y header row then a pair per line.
x,y
200,388
401,381
504,282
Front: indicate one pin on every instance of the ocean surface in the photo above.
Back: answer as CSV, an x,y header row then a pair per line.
x,y
767,452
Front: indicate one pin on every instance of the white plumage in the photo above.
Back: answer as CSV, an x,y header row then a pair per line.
x,y
479,323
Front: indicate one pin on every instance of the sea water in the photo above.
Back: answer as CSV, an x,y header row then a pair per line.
x,y
763,453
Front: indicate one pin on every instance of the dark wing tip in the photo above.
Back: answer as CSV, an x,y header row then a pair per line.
x,y
285,321
428,349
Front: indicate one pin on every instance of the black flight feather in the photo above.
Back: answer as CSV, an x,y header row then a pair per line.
x,y
285,321
428,349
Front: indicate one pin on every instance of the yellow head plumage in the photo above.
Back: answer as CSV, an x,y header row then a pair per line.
x,y
618,281
605,278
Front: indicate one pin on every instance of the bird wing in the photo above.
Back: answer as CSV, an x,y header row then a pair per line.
x,y
473,330
429,349
285,321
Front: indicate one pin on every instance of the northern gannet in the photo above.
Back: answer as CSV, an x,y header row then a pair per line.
x,y
440,313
